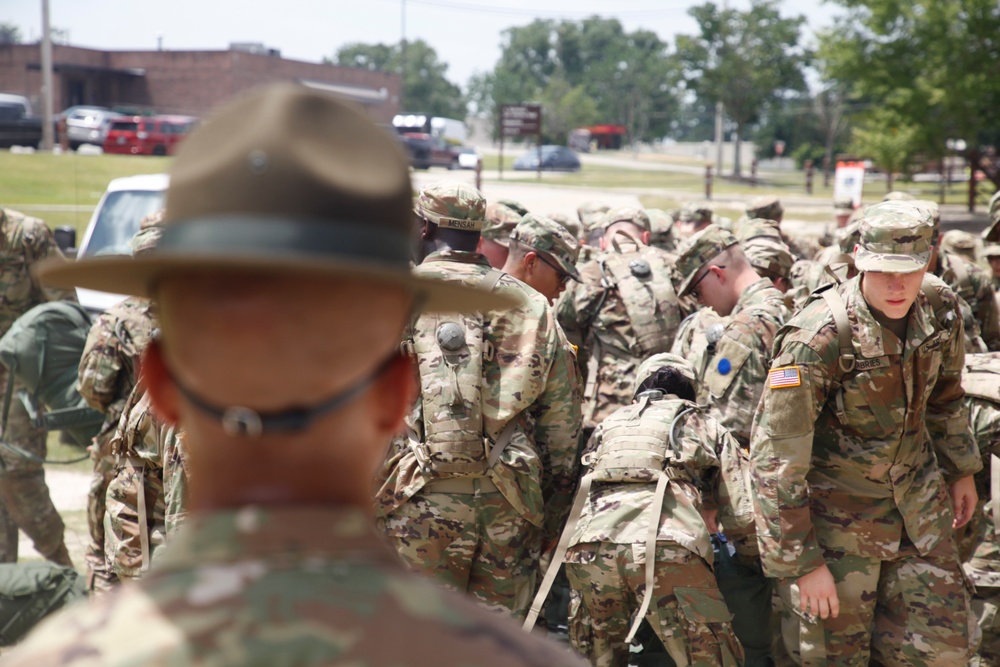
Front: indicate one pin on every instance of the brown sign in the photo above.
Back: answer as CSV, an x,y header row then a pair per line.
x,y
520,120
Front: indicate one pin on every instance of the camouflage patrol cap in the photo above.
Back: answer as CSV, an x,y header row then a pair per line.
x,y
569,224
591,210
992,233
696,213
550,239
765,254
843,205
897,195
661,226
767,207
150,231
961,243
894,239
759,227
499,223
636,216
452,205
514,205
658,361
699,250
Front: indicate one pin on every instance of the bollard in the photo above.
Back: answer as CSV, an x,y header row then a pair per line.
x,y
63,137
479,174
826,172
809,177
708,182
753,173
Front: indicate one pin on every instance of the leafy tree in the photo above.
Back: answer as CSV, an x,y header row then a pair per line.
x,y
425,87
10,33
930,62
564,108
748,60
888,139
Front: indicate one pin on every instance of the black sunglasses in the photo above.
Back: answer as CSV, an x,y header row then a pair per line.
x,y
563,276
693,290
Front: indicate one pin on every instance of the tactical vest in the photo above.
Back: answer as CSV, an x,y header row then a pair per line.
x,y
634,448
643,282
450,350
981,379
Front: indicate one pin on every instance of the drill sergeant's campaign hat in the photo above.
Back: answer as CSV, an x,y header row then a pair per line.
x,y
500,222
550,239
658,361
699,250
894,239
289,180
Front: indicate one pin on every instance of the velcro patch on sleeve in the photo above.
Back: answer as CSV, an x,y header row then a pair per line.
x,y
786,376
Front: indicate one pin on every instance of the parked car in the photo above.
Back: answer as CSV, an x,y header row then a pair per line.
x,y
114,222
552,158
147,135
466,157
18,125
87,124
426,150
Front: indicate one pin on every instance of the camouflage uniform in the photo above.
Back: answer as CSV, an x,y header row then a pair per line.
x,y
868,437
483,533
325,585
622,517
23,492
696,339
108,372
623,311
661,226
980,539
979,308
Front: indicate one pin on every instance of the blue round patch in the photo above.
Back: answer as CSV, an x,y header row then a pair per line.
x,y
724,366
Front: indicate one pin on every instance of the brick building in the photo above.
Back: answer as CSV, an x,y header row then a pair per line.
x,y
182,82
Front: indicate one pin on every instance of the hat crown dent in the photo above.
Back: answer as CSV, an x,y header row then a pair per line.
x,y
282,152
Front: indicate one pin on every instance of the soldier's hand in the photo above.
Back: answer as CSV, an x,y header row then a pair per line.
x,y
818,593
964,497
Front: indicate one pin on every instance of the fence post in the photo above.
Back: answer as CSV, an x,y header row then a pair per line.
x,y
753,172
809,177
708,182
479,174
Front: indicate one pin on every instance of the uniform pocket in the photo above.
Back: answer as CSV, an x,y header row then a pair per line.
x,y
706,627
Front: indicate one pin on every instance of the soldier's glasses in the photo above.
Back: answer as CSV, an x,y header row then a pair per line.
x,y
563,276
693,290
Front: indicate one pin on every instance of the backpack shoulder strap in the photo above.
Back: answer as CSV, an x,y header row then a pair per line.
x,y
835,302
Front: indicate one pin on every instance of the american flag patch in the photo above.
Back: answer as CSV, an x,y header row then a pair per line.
x,y
787,376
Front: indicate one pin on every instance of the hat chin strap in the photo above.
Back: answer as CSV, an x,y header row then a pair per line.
x,y
238,420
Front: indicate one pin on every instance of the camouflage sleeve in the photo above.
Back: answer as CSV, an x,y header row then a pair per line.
x,y
948,414
100,365
568,315
557,414
781,457
988,314
41,245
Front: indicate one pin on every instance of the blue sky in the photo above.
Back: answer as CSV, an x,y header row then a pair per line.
x,y
465,33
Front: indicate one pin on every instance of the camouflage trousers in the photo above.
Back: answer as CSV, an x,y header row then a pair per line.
x,y
24,493
134,521
687,611
100,579
474,543
912,611
986,608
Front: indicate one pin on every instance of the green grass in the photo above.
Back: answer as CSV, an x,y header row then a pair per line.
x,y
36,183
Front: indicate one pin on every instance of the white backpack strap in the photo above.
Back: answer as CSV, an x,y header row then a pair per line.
x,y
650,567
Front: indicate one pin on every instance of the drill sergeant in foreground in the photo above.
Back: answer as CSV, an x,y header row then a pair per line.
x,y
719,275
636,545
624,310
863,462
109,369
484,475
281,246
24,496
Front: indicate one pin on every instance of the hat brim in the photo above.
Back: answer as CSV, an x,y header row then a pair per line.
x,y
883,263
138,276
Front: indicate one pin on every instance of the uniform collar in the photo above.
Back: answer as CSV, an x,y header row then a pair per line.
x,y
868,333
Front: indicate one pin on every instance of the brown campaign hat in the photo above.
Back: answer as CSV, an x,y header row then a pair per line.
x,y
284,179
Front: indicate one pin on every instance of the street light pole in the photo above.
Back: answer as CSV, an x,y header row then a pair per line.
x,y
402,54
46,47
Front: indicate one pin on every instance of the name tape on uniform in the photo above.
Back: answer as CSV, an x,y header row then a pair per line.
x,y
787,376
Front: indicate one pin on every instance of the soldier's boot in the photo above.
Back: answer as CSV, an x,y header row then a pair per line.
x,y
8,537
26,497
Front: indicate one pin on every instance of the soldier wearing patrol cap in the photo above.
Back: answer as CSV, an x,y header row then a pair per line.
x,y
720,276
591,216
843,207
484,474
543,255
692,218
568,223
495,234
863,461
771,259
284,287
636,545
991,254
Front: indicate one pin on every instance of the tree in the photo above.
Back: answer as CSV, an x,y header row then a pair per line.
x,y
747,60
9,34
425,87
564,108
887,139
930,62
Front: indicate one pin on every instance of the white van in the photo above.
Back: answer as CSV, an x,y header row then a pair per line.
x,y
116,220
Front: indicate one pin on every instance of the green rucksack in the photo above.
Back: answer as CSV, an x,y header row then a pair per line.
x,y
31,591
42,349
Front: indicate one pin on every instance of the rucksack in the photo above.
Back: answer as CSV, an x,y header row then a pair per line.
x,y
31,591
42,349
981,379
450,349
643,282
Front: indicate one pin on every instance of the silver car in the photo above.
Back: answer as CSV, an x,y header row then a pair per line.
x,y
87,125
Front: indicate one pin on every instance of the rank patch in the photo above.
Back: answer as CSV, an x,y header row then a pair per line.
x,y
788,376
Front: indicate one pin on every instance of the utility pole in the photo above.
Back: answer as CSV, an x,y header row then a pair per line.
x,y
718,137
402,54
47,135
